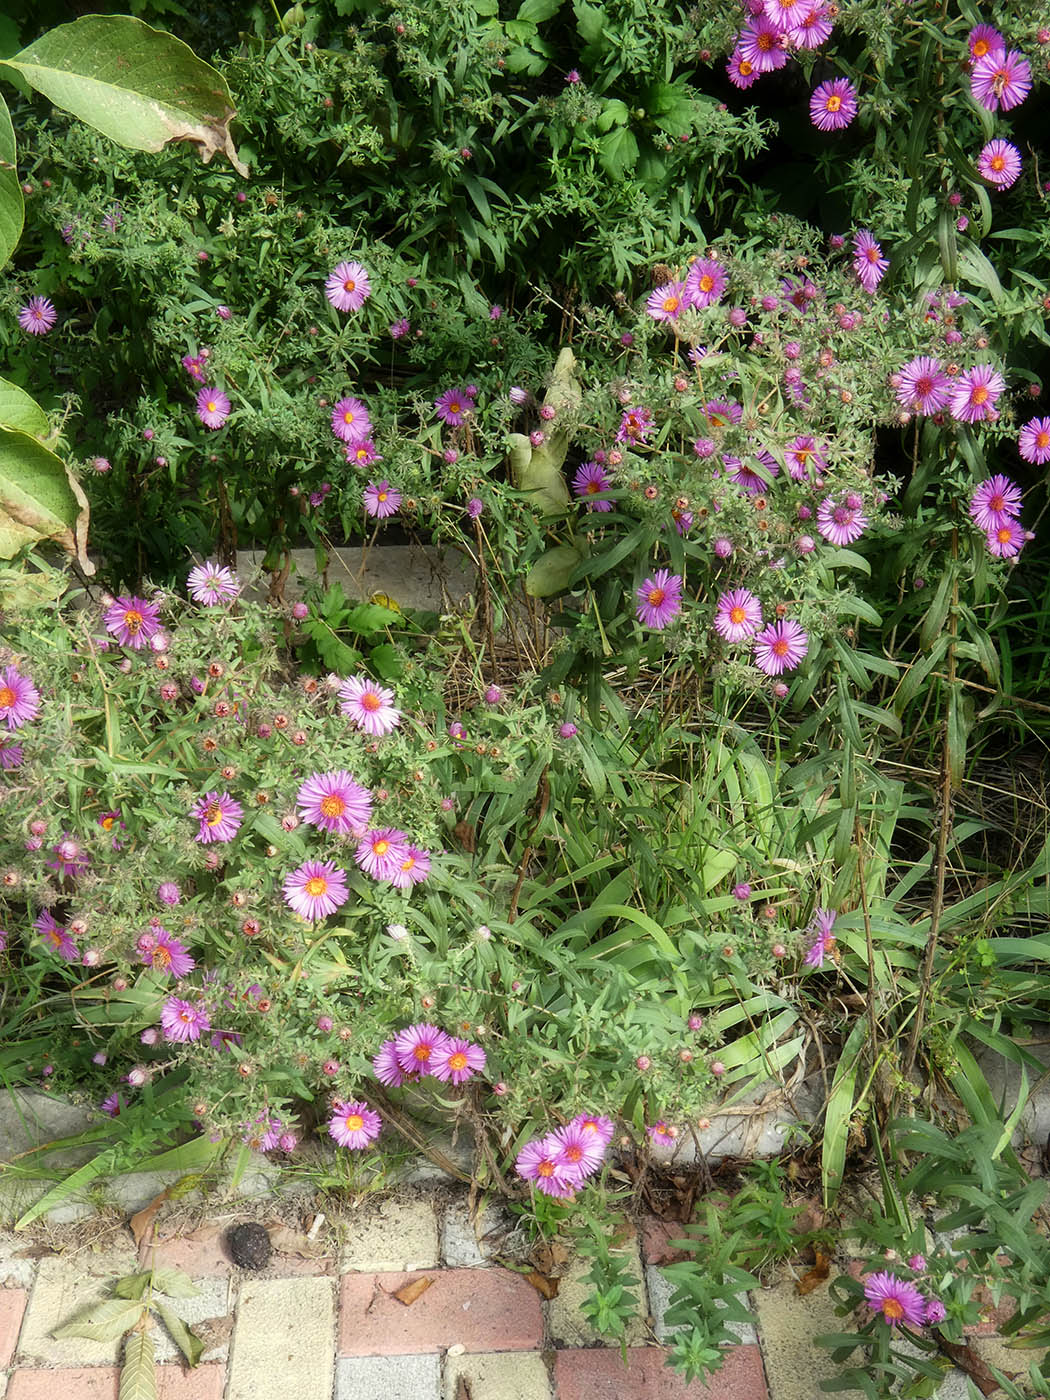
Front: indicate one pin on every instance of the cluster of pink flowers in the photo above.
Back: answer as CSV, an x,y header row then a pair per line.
x,y
773,31
970,396
995,508
1000,80
559,1163
704,285
424,1049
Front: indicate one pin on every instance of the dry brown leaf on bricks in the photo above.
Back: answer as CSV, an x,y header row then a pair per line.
x,y
967,1360
411,1291
816,1276
142,1222
286,1241
544,1286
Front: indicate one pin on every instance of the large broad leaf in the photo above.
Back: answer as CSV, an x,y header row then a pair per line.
x,y
138,1378
552,571
18,410
39,500
184,1337
12,207
137,85
105,1322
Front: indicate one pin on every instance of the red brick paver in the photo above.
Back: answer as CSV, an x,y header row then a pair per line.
x,y
103,1383
656,1240
203,1255
599,1374
12,1306
479,1309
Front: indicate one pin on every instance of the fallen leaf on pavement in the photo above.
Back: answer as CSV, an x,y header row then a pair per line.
x,y
411,1291
142,1222
816,1276
967,1360
546,1287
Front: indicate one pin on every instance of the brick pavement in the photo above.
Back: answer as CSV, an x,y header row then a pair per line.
x,y
331,1328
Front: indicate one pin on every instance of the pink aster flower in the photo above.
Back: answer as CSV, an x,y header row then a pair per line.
x,y
363,453
11,756
219,818
380,499
55,937
899,1302
1007,539
741,70
19,699
111,1105
662,1134
183,1020
812,29
935,1311
413,870
453,405
194,366
923,385
580,1149
1000,163
745,476
995,501
387,1067
1001,81
780,647
706,282
315,889
738,615
762,43
636,425
418,1047
456,1061
668,302
833,104
785,14
868,262
722,413
982,40
38,316
538,1162
975,393
132,621
823,940
167,954
1033,443
841,522
71,859
335,802
211,584
350,420
589,481
594,1124
659,599
347,287
213,407
369,706
804,459
382,852
355,1125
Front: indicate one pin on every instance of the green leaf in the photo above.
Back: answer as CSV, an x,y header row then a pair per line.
x,y
525,60
139,86
386,661
39,500
174,1283
371,617
838,1114
618,151
12,206
138,1375
133,1285
975,268
536,11
590,21
186,1340
614,113
105,1322
552,571
17,409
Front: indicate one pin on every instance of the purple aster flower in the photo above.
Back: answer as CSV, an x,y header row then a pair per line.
x,y
868,262
382,852
823,940
741,70
399,328
1033,443
538,1162
667,303
595,1125
132,621
19,699
70,858
899,1302
934,1312
369,706
812,29
315,889
219,818
590,480
780,647
999,163
474,507
706,282
213,407
169,893
805,461
335,802
11,755
167,954
994,502
413,870
923,385
746,477
785,14
456,1061
1001,80
975,394
355,1125
453,405
111,1105
762,43
1007,539
55,937
842,522
721,413
417,1047
387,1067
183,1020
350,420
738,615
194,367
363,453
212,584
38,316
579,1151
833,104
347,287
380,499
659,599
636,425
983,39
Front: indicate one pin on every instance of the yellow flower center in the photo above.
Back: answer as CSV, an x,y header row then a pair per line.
x,y
457,1061
332,805
349,285
996,502
892,1309
382,495
670,304
656,596
348,416
1003,534
998,163
316,886
545,1169
186,1016
455,407
7,697
834,103
354,1122
409,863
780,647
1041,440
574,1153
133,620
161,956
979,394
107,822
421,1052
370,701
381,847
737,615
707,282
980,48
873,253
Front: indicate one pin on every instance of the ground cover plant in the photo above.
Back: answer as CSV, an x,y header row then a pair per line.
x,y
749,470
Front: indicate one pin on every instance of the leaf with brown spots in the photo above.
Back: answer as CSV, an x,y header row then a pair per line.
x,y
816,1276
411,1291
